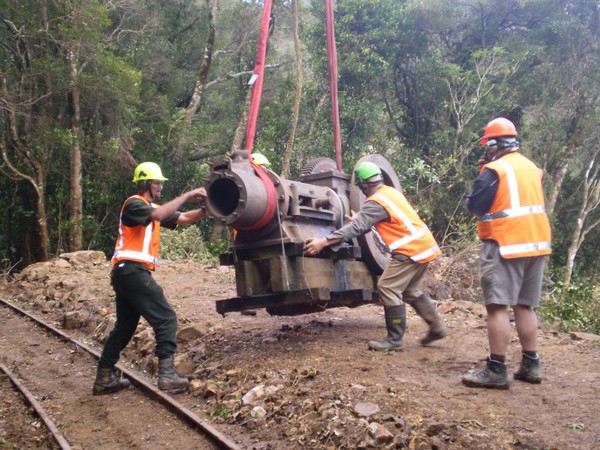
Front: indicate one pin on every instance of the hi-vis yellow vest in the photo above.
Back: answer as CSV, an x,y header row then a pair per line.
x,y
405,232
517,219
138,243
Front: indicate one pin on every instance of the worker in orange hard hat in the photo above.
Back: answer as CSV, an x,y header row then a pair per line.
x,y
508,200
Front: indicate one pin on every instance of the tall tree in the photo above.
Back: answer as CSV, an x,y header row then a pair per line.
x,y
26,99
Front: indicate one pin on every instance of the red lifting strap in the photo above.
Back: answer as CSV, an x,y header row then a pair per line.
x,y
259,69
333,75
271,200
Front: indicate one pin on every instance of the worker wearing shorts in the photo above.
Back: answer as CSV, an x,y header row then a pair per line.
x,y
507,198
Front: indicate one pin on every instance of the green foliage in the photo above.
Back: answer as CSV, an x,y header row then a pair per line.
x,y
222,412
184,244
576,307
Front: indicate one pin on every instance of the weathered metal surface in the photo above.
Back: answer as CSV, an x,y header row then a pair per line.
x,y
272,218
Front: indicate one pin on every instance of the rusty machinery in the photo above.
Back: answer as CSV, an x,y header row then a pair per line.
x,y
272,217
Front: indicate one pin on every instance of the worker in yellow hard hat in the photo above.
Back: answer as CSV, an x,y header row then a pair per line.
x,y
260,160
136,292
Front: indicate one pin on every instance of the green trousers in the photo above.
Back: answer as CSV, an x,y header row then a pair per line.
x,y
138,295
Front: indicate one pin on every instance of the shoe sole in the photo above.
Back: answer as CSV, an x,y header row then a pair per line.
x,y
391,349
397,348
108,391
485,385
174,391
429,340
528,380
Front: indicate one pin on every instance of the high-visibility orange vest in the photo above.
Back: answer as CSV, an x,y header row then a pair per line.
x,y
517,219
137,243
405,232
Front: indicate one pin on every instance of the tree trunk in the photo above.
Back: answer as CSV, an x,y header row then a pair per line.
x,y
285,165
205,66
36,178
589,202
557,181
75,237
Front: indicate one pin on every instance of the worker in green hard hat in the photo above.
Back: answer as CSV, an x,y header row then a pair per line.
x,y
411,245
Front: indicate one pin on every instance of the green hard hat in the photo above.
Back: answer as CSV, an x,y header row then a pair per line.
x,y
366,170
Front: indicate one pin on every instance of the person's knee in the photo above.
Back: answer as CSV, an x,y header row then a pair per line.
x,y
410,296
494,308
523,311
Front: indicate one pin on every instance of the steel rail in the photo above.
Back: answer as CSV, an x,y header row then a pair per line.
x,y
38,408
214,435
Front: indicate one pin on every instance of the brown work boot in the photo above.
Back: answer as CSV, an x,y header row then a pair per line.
x,y
108,382
425,308
529,371
168,378
395,322
493,376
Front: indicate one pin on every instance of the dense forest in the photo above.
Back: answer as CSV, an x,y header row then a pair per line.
x,y
90,88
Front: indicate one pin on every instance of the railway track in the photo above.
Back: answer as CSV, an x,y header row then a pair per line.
x,y
54,373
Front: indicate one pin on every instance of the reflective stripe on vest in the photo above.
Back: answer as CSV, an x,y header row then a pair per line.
x,y
513,212
426,254
519,230
411,236
147,253
524,248
138,256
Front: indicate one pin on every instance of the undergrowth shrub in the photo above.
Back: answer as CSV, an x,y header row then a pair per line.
x,y
185,244
576,307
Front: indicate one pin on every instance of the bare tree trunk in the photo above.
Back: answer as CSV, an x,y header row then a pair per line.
x,y
287,157
75,237
557,182
36,178
573,133
240,131
590,201
200,86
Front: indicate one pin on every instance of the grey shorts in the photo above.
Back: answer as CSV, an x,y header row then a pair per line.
x,y
516,281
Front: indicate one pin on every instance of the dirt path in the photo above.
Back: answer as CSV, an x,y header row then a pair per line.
x,y
310,382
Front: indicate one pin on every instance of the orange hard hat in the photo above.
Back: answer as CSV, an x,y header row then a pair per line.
x,y
499,127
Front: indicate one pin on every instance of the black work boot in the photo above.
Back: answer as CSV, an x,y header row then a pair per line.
x,y
494,376
529,371
107,381
395,322
168,378
425,308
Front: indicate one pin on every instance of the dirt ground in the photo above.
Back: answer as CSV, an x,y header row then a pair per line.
x,y
309,381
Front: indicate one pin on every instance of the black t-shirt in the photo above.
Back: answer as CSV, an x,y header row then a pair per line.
x,y
137,213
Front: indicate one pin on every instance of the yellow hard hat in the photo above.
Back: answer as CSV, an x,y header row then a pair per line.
x,y
260,160
148,171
